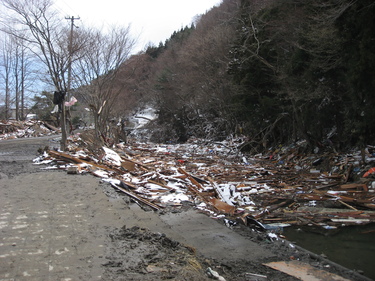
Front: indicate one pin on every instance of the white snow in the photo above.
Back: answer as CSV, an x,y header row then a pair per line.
x,y
112,156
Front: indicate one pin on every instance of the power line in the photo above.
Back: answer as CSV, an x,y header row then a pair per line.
x,y
63,7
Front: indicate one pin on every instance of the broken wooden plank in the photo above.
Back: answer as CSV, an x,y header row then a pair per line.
x,y
137,198
160,184
358,186
352,220
327,185
193,181
128,165
369,205
135,162
304,271
270,209
222,206
72,159
347,205
127,184
221,195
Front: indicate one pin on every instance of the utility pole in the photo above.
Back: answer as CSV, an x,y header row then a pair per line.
x,y
72,19
64,112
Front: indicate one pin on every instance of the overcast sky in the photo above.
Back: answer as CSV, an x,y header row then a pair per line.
x,y
153,20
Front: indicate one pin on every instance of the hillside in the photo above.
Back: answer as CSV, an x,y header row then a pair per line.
x,y
274,71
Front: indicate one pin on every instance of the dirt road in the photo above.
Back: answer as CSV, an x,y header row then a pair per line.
x,y
56,226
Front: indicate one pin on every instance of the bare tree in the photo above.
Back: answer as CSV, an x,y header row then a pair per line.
x,y
17,75
19,56
6,77
39,25
99,70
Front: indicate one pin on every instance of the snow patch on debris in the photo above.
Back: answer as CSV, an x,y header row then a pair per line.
x,y
218,179
112,156
25,129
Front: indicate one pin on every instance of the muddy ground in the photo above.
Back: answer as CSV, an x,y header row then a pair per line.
x,y
140,244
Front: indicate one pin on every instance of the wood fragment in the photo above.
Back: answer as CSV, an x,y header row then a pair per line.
x,y
349,171
72,170
281,201
222,206
135,162
220,193
347,205
359,186
128,165
327,185
193,181
52,128
69,158
271,209
138,198
160,184
127,184
304,271
351,220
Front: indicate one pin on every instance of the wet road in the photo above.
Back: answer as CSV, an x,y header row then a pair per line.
x,y
55,226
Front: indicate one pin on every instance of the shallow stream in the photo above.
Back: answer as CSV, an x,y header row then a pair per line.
x,y
352,246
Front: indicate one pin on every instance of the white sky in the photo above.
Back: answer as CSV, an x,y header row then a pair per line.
x,y
152,20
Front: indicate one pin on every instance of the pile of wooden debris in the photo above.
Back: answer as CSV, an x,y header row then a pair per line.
x,y
282,188
26,129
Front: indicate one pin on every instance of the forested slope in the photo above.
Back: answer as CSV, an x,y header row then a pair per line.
x,y
274,71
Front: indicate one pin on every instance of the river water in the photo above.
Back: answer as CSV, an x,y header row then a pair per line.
x,y
352,246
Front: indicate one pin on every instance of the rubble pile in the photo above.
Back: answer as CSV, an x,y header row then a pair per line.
x,y
25,129
270,191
